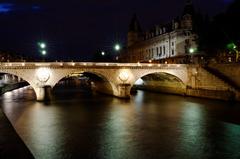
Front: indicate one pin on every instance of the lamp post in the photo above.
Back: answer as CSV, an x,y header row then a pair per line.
x,y
191,51
117,48
42,49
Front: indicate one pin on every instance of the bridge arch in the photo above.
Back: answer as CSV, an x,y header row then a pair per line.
x,y
23,77
166,81
163,75
107,86
182,75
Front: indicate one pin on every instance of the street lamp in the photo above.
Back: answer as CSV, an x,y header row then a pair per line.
x,y
103,53
117,47
191,50
44,52
42,49
42,45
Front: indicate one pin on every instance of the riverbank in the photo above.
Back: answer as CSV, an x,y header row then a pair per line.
x,y
198,93
11,145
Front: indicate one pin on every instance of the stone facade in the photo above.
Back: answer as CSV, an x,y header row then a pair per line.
x,y
164,43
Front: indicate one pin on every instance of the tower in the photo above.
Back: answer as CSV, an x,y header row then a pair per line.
x,y
134,31
187,16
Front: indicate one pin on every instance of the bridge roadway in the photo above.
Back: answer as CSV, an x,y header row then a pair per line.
x,y
118,78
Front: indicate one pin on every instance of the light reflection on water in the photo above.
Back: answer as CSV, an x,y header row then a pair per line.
x,y
82,125
193,138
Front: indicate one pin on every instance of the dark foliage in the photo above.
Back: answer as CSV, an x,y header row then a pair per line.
x,y
215,34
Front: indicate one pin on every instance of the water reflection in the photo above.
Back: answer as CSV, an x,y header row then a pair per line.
x,y
45,135
116,136
192,127
79,124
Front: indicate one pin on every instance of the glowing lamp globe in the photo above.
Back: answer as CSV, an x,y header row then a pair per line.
x,y
44,52
191,50
117,47
43,45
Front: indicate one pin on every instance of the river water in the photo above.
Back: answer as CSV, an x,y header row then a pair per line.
x,y
78,124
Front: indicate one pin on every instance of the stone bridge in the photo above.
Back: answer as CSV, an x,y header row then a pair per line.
x,y
118,78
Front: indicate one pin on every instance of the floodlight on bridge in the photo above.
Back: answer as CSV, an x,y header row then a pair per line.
x,y
43,74
124,76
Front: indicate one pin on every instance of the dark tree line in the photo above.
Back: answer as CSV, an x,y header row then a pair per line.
x,y
216,33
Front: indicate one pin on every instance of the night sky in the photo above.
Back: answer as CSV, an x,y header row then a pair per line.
x,y
75,29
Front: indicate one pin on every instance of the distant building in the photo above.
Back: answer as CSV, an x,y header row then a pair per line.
x,y
10,57
173,42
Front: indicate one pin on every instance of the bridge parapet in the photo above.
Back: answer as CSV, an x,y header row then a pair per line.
x,y
88,65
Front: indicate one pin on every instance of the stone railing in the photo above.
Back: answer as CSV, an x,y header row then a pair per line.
x,y
88,64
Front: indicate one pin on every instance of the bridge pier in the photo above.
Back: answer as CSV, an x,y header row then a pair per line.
x,y
43,93
124,90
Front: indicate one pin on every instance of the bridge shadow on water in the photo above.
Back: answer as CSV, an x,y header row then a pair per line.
x,y
83,94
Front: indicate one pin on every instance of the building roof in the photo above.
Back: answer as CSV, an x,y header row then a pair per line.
x,y
134,24
188,9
